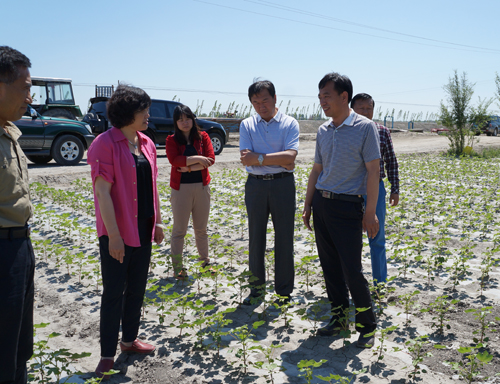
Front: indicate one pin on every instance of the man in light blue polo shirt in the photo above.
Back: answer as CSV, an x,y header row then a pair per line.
x,y
346,167
269,142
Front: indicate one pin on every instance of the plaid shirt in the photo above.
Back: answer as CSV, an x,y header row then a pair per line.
x,y
388,157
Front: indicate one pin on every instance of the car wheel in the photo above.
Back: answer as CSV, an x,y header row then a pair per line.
x,y
217,143
59,113
39,159
67,150
495,132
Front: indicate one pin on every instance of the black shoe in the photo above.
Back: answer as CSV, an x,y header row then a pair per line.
x,y
331,329
253,300
366,340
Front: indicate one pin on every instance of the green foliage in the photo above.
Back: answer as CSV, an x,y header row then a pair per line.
x,y
306,367
459,116
469,368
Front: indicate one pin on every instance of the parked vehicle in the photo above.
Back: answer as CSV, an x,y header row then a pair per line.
x,y
54,97
492,126
45,138
161,123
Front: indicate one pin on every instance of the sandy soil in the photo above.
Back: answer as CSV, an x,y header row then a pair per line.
x,y
72,308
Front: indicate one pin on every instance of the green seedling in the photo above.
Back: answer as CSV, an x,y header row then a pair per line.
x,y
47,362
311,313
439,308
416,350
470,368
481,315
307,366
381,348
270,364
341,379
244,338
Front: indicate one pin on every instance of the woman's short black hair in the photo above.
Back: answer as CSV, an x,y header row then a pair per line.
x,y
340,82
194,134
258,86
125,102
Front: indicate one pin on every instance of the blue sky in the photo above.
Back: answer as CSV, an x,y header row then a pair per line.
x,y
197,50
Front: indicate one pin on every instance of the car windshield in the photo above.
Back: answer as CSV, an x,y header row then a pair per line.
x,y
59,93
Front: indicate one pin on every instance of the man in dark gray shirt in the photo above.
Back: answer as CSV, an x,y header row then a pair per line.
x,y
346,167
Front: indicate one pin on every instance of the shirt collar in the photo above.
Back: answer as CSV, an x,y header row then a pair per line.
x,y
118,135
349,121
276,118
14,132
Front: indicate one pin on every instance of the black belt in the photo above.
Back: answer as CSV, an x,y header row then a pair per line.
x,y
341,196
15,232
272,176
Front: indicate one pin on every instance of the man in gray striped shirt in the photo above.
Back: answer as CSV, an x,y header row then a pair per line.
x,y
346,167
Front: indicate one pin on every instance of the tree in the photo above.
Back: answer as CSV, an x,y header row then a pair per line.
x,y
462,119
497,93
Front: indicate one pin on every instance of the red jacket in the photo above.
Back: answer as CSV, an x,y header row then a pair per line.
x,y
175,155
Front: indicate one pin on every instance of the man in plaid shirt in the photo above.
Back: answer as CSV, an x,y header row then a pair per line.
x,y
364,105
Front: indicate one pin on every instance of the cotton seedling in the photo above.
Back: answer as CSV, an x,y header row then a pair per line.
x,y
381,348
408,301
312,314
47,362
216,323
470,368
270,364
307,366
440,308
416,348
245,339
481,315
339,379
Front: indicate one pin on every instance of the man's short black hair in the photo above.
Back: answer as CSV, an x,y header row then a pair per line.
x,y
10,62
341,84
125,102
260,85
362,96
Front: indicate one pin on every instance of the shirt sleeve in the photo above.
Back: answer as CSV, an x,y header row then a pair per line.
x,y
208,149
292,138
245,139
391,164
371,145
317,152
100,158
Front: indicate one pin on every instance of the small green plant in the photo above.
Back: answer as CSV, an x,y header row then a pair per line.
x,y
244,337
416,349
271,363
47,362
440,307
381,348
408,301
474,361
306,367
481,315
341,379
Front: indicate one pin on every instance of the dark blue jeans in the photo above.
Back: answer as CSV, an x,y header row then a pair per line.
x,y
339,237
17,270
275,197
124,286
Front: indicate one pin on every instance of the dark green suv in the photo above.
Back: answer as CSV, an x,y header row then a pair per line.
x,y
46,138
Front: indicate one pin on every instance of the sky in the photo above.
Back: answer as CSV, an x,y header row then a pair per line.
x,y
400,52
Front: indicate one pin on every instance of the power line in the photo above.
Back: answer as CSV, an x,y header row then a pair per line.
x,y
339,29
317,15
155,88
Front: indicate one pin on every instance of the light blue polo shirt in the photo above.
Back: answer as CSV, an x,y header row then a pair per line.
x,y
279,134
343,152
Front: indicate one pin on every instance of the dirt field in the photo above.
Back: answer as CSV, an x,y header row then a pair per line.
x,y
66,295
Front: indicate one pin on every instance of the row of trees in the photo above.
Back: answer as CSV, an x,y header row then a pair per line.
x,y
458,115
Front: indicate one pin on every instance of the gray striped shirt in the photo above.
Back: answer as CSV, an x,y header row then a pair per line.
x,y
343,152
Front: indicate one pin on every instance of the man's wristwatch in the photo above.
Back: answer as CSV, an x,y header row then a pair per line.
x,y
261,159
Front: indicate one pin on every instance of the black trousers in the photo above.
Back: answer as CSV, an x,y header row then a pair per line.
x,y
275,197
17,270
339,237
124,286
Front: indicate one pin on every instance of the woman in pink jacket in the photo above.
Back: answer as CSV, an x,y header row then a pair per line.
x,y
128,219
190,152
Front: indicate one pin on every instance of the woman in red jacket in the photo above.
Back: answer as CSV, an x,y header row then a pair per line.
x,y
190,152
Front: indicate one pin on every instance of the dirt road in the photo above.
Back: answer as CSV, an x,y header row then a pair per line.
x,y
404,142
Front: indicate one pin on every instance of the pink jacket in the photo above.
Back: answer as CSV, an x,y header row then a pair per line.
x,y
109,157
